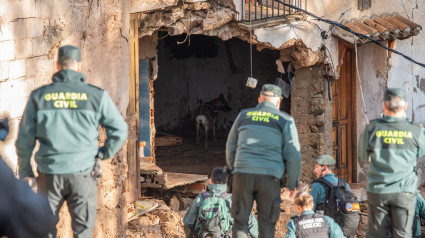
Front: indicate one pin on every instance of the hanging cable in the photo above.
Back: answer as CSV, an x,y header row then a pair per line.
x,y
360,81
250,42
351,31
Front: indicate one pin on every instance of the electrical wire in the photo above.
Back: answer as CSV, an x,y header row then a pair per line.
x,y
250,42
360,81
351,31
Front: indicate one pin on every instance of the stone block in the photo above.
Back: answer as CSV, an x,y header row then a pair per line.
x,y
26,8
8,10
23,48
4,70
44,9
21,87
5,33
40,46
7,49
175,204
18,28
35,27
16,108
17,69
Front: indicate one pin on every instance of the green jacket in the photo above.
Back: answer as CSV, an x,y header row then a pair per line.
x,y
391,145
191,215
64,117
419,213
318,192
334,229
264,140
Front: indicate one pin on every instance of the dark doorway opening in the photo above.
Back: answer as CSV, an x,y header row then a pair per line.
x,y
196,68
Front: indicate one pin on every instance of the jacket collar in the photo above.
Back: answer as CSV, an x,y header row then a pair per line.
x,y
393,119
266,104
217,188
307,212
66,76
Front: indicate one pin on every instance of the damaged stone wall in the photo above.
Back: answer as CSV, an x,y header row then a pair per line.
x,y
312,112
296,45
30,33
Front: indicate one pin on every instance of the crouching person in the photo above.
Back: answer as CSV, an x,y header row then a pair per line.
x,y
209,214
310,224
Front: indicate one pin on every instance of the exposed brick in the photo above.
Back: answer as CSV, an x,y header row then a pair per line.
x,y
35,27
196,186
8,10
17,69
26,8
4,70
18,29
7,49
23,48
40,46
5,33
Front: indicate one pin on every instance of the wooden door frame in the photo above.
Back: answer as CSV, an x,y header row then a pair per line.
x,y
342,46
133,160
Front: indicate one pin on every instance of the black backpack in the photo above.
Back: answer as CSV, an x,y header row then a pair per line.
x,y
342,205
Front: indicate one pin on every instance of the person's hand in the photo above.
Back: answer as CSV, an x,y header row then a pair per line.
x,y
292,193
32,183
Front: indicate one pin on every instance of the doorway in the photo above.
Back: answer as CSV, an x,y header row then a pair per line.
x,y
344,115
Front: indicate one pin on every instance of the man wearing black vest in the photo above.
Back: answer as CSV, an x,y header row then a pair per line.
x,y
391,145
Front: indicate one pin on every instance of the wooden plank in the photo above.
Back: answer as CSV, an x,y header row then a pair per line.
x,y
147,167
168,140
179,179
133,173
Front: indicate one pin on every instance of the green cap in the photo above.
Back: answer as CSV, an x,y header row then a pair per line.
x,y
325,160
69,51
394,94
271,90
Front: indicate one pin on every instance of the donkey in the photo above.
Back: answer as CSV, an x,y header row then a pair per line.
x,y
207,116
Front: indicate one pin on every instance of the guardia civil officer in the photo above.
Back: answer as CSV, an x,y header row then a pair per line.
x,y
64,117
262,144
323,168
391,145
309,224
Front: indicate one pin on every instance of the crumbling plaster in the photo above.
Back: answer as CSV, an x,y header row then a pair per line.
x,y
31,32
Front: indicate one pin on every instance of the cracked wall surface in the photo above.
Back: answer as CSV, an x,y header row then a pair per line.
x,y
30,33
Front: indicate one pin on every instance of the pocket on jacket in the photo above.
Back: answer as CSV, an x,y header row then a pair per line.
x,y
275,211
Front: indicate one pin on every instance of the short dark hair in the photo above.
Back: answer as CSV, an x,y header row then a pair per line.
x,y
395,106
66,62
218,176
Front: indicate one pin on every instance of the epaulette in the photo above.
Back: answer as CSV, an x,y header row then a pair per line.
x,y
96,87
373,121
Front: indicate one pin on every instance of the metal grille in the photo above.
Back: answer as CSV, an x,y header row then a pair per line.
x,y
266,9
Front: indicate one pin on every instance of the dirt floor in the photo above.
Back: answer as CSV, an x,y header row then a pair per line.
x,y
191,158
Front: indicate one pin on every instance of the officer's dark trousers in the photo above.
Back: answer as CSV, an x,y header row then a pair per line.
x,y
265,190
79,192
390,214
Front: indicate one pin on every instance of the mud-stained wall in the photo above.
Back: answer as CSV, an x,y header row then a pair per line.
x,y
373,77
30,33
312,111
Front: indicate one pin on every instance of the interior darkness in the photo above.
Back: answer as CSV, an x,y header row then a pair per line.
x,y
201,68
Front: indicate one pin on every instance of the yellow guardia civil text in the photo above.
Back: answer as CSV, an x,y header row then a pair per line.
x,y
393,137
65,99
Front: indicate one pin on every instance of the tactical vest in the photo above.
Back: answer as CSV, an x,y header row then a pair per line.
x,y
311,226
